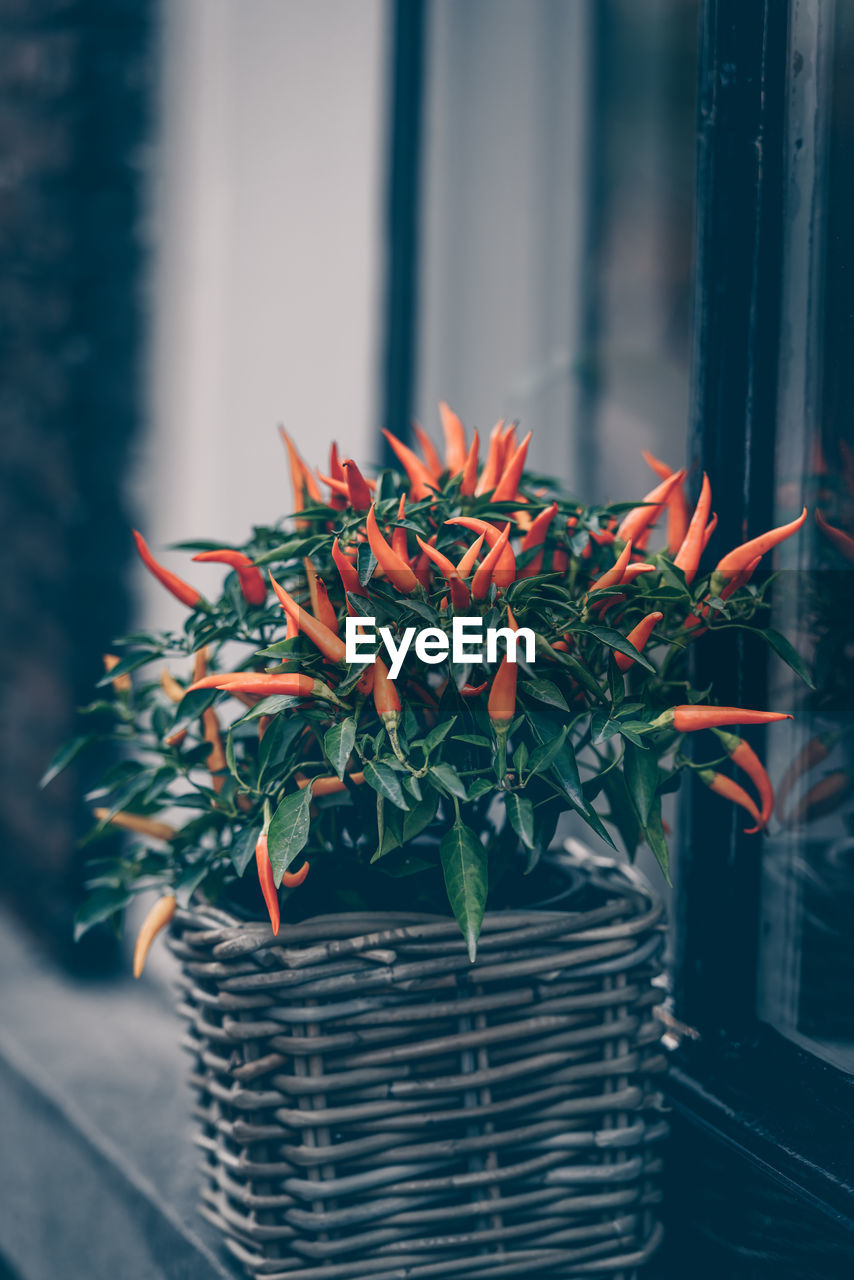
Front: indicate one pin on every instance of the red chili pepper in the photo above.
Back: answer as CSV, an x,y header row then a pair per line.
x,y
560,560
506,572
398,535
266,880
347,571
455,439
687,558
432,461
266,683
677,505
422,571
180,589
840,539
421,481
473,690
252,584
741,556
358,488
329,644
536,537
486,573
742,754
460,597
724,786
741,578
501,704
468,483
640,517
158,918
335,468
293,879
638,636
331,785
507,488
613,577
321,605
492,467
467,561
396,569
688,717
386,699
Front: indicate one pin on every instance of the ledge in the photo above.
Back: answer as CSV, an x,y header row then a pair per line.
x,y
99,1171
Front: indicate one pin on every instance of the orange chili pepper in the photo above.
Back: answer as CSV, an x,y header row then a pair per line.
x,y
689,717
349,575
677,504
301,478
292,879
460,597
822,798
486,573
638,636
331,785
180,589
633,524
613,577
267,881
252,584
137,823
492,467
740,556
397,570
508,486
455,439
536,537
468,483
688,556
321,606
432,461
170,686
156,920
386,698
121,684
724,786
710,528
506,571
812,753
742,754
421,481
398,536
467,561
422,571
329,644
501,704
215,759
265,683
358,488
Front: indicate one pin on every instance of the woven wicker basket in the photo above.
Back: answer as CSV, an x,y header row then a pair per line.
x,y
372,1105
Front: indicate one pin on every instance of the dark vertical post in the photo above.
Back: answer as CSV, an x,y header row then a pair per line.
x,y
403,182
74,97
736,336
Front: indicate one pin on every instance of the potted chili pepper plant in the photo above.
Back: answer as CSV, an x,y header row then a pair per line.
x,y
422,1041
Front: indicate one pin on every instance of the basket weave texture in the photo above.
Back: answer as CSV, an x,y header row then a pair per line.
x,y
373,1105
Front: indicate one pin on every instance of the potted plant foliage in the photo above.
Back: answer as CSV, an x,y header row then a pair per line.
x,y
424,1044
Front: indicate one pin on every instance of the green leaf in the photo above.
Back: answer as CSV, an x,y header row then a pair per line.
x,y
544,691
615,640
128,664
789,654
437,735
338,743
385,782
464,863
542,756
289,831
243,847
641,772
273,747
480,787
448,779
475,739
520,812
417,819
653,834
272,706
366,563
99,906
546,728
64,756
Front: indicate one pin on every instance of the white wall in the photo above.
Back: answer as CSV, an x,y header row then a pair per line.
x,y
267,260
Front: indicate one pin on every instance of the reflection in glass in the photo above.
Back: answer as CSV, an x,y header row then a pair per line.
x,y
807,943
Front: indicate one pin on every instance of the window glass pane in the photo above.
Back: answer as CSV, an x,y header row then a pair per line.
x,y
807,941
